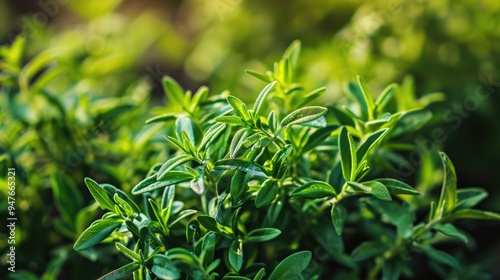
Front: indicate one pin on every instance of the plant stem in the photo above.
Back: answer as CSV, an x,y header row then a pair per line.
x,y
400,243
275,138
333,200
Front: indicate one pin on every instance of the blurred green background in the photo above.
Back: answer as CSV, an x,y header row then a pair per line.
x,y
89,54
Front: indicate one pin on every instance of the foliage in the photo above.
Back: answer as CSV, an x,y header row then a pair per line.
x,y
57,127
251,191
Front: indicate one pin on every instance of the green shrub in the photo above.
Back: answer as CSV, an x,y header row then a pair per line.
x,y
283,189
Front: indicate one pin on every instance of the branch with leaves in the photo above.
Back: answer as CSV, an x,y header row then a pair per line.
x,y
257,183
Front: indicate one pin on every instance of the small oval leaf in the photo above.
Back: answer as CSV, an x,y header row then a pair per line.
x,y
263,234
97,232
291,266
235,255
302,115
313,189
171,178
266,194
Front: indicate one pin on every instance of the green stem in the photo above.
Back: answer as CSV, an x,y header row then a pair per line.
x,y
379,261
333,200
275,138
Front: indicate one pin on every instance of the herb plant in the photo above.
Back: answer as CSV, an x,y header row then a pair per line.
x,y
257,191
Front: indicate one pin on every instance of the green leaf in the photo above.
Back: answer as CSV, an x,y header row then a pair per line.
x,y
267,193
182,215
241,165
398,215
163,267
359,187
185,125
273,213
121,272
239,183
97,232
123,204
208,246
209,223
291,266
260,274
442,257
378,190
171,178
235,222
171,164
178,144
302,115
411,121
397,187
235,277
100,195
474,214
188,144
123,197
448,198
231,120
127,252
174,91
356,92
261,98
366,250
347,155
167,201
239,137
244,144
156,210
259,76
318,137
235,255
470,197
314,189
212,225
263,234
278,161
162,118
308,97
239,108
192,231
272,121
198,98
367,96
338,214
391,269
383,119
66,196
342,117
211,134
369,143
292,53
385,97
35,65
450,230
184,255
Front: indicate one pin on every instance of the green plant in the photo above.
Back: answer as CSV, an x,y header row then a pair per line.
x,y
57,126
263,186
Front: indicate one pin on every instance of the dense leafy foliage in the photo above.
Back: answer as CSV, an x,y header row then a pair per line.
x,y
251,191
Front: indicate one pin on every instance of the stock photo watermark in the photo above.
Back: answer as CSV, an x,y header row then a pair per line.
x,y
11,219
368,25
32,24
454,118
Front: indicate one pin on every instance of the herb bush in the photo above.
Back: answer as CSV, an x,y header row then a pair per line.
x,y
59,123
283,189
